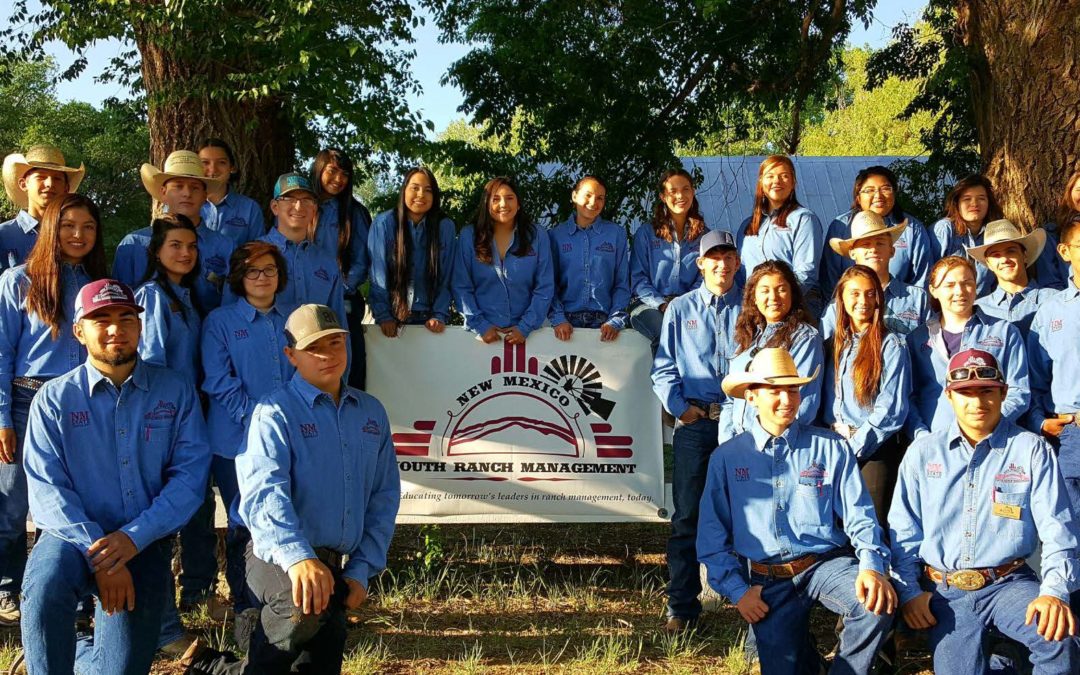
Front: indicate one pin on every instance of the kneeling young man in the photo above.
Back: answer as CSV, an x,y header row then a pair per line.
x,y
769,534
319,491
971,504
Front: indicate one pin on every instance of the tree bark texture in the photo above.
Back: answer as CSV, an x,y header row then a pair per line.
x,y
182,115
1025,77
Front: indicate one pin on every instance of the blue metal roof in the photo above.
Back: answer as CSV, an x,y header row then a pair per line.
x,y
823,185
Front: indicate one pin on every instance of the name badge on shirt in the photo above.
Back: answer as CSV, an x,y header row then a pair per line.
x,y
1006,511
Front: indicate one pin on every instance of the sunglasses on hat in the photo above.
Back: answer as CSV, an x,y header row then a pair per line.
x,y
968,373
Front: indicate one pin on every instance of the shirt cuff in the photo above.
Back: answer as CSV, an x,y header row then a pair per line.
x,y
290,554
5,419
134,533
357,570
871,561
557,319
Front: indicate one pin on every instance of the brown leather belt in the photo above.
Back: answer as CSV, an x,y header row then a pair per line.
x,y
974,579
330,558
784,570
31,383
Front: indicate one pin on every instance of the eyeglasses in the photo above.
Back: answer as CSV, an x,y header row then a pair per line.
x,y
302,201
884,191
968,373
254,273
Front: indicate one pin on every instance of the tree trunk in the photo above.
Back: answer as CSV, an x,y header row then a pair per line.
x,y
1026,99
181,116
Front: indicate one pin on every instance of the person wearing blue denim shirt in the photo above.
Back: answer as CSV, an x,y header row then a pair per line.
x,y
957,325
867,382
698,330
226,211
781,229
412,250
871,241
36,344
969,206
592,267
1008,253
318,484
875,190
181,188
772,315
786,521
116,460
503,282
33,181
663,258
973,502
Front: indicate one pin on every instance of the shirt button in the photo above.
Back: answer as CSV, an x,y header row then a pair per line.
x,y
130,493
971,485
967,534
779,483
779,507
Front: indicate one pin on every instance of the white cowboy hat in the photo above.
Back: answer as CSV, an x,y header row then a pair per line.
x,y
179,164
1002,231
16,165
865,224
770,367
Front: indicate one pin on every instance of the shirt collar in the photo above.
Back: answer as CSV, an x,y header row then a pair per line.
x,y
26,222
138,377
1071,291
309,393
999,297
996,439
729,299
762,437
248,312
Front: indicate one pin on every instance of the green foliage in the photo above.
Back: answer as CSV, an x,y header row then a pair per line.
x,y
432,554
613,87
112,142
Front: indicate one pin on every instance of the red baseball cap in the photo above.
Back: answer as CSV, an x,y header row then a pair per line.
x,y
104,293
973,368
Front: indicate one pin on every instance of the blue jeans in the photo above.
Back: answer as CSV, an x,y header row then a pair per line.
x,y
782,636
648,321
693,445
57,578
587,318
13,501
963,617
357,376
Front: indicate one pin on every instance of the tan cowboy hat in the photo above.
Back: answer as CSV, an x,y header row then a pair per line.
x,y
770,367
16,165
179,164
866,224
1001,231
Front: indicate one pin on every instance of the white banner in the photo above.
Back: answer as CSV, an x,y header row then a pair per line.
x,y
548,431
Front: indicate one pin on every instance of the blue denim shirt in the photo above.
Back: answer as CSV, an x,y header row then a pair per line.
x,y
100,458
236,216
906,308
1050,269
947,242
911,261
129,264
27,348
512,292
1017,308
170,333
660,269
886,414
798,244
243,359
942,511
808,352
1053,348
381,242
592,270
930,410
313,474
697,335
17,237
773,499
326,239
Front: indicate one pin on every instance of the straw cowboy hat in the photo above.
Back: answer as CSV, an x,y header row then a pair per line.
x,y
1002,231
770,367
866,224
179,164
16,165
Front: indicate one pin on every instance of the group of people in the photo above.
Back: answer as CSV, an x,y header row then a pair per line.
x,y
849,403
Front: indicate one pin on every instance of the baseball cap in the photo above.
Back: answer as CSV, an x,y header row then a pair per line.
x,y
101,294
716,239
973,368
308,323
291,182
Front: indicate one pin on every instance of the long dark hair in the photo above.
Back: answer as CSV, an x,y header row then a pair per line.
x,y
234,175
484,232
860,179
751,322
661,219
1068,210
345,200
866,372
45,297
761,201
952,202
155,271
401,259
